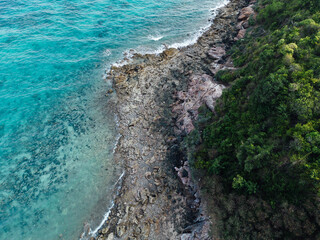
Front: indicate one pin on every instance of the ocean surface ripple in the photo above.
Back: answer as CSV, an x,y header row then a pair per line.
x,y
57,129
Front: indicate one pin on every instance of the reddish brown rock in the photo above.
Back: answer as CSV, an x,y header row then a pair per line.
x,y
245,24
240,25
201,90
216,52
245,13
241,33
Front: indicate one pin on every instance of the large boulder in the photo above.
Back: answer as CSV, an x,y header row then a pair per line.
x,y
245,13
216,52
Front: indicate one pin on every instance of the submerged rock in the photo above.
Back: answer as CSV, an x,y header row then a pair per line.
x,y
169,52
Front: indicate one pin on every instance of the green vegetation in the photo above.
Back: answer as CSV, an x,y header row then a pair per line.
x,y
264,140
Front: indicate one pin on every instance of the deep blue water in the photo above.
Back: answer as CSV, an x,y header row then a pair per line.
x,y
57,130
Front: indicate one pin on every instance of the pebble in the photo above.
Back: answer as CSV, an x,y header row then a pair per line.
x,y
147,175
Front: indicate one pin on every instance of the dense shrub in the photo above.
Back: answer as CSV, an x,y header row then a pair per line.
x,y
264,141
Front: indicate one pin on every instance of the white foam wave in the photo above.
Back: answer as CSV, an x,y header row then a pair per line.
x,y
215,10
116,119
155,38
197,35
107,52
127,56
178,45
119,179
93,233
105,218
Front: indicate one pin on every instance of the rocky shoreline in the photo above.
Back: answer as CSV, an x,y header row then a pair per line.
x,y
157,99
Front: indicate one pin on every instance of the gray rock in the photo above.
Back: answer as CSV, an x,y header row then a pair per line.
x,y
246,24
105,230
121,229
110,236
148,175
186,236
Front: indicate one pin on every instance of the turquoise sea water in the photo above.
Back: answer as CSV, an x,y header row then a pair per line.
x,y
57,130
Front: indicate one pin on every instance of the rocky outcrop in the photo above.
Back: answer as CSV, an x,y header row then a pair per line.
x,y
245,15
201,90
158,97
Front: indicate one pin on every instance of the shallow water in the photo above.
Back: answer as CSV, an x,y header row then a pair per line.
x,y
57,129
